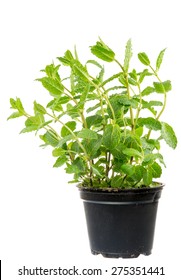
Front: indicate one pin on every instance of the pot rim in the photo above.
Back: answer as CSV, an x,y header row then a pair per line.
x,y
158,186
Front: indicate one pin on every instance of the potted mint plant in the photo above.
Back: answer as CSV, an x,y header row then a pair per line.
x,y
106,129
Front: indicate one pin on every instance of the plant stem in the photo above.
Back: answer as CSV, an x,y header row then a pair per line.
x,y
128,93
131,109
108,157
140,105
164,102
71,132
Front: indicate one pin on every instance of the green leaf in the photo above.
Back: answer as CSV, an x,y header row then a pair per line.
x,y
13,103
110,79
90,109
122,80
143,75
52,71
147,177
38,108
139,131
117,152
15,115
60,161
168,135
132,152
124,100
68,58
144,58
17,104
128,169
162,87
92,147
133,75
111,136
156,170
139,170
54,105
51,138
132,82
95,120
150,144
116,182
86,133
83,97
128,55
155,103
80,71
29,129
65,140
102,51
149,158
72,111
97,171
94,62
33,123
77,166
54,87
150,123
159,59
57,152
147,91
69,126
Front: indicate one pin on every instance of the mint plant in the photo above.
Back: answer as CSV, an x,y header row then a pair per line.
x,y
105,130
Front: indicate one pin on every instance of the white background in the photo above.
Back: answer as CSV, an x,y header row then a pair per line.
x,y
41,216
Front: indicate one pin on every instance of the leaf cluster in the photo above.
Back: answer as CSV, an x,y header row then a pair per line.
x,y
107,132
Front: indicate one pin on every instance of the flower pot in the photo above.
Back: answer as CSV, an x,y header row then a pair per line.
x,y
121,223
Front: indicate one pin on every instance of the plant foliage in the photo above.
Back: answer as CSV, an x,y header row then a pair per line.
x,y
105,131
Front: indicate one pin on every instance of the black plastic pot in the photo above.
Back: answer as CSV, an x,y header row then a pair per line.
x,y
122,223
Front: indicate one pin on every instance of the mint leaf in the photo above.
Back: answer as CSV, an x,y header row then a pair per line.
x,y
168,135
80,71
17,104
102,51
60,161
86,133
156,170
38,108
159,59
116,182
128,169
66,130
51,138
144,58
128,55
95,120
96,171
111,136
162,87
57,152
147,177
54,87
14,115
147,91
132,152
150,123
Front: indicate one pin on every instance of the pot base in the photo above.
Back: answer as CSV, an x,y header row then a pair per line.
x,y
120,255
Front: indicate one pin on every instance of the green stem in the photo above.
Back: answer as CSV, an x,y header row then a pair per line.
x,y
71,132
164,102
128,93
140,105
